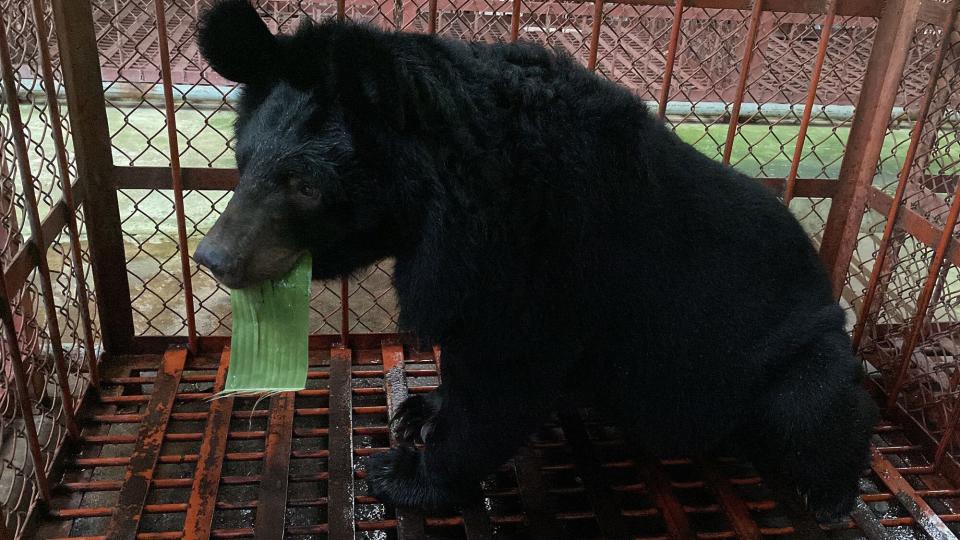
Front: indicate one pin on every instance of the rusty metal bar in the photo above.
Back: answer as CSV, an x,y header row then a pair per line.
x,y
595,34
341,10
674,516
923,301
543,523
201,178
272,510
865,141
171,121
748,47
84,476
36,230
738,514
63,164
80,62
608,513
20,379
143,459
340,488
432,17
409,524
22,263
206,478
671,58
893,214
926,518
871,527
344,312
515,21
821,58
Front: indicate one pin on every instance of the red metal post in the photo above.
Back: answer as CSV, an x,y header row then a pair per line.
x,y
670,59
344,312
515,21
748,47
865,141
883,251
53,106
923,301
811,100
171,118
595,34
30,202
432,17
80,62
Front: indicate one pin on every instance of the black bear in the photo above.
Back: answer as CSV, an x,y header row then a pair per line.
x,y
559,243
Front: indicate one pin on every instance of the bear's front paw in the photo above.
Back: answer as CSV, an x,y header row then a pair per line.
x,y
413,419
397,478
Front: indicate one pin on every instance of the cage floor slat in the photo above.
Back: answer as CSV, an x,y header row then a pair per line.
x,y
206,480
158,459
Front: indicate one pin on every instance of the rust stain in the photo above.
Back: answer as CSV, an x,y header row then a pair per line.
x,y
206,480
137,479
924,516
271,512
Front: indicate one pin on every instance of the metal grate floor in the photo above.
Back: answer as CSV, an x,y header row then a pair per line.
x,y
159,460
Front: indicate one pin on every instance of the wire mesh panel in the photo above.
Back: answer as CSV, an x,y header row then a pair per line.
x,y
767,87
49,293
632,45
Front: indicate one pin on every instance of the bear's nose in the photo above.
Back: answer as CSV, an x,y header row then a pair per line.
x,y
221,263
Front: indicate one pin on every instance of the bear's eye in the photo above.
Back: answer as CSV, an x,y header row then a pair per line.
x,y
308,189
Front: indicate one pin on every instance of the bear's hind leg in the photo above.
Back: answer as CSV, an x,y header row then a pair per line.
x,y
484,416
814,426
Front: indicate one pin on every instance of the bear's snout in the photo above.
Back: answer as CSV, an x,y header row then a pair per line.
x,y
221,263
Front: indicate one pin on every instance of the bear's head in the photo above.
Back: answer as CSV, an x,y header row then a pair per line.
x,y
302,185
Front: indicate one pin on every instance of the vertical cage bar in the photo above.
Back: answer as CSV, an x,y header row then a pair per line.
x,y
748,47
880,265
595,34
821,58
37,241
671,59
176,173
432,17
80,62
341,10
515,21
865,141
344,312
67,188
923,301
20,376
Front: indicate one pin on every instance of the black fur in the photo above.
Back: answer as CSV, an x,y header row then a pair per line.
x,y
554,238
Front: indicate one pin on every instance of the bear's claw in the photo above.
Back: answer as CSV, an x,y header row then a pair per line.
x,y
413,419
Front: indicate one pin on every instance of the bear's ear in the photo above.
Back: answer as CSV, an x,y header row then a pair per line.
x,y
237,43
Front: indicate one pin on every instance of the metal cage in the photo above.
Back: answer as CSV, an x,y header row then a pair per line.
x,y
116,158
